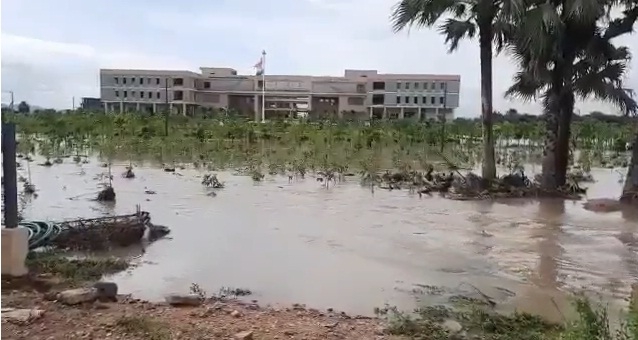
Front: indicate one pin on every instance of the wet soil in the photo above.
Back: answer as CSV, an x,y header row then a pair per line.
x,y
135,319
350,249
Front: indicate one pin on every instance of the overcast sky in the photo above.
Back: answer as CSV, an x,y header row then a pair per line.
x,y
52,49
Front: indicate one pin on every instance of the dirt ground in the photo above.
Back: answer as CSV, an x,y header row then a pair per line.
x,y
134,319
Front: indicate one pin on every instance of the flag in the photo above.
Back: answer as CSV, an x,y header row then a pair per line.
x,y
259,67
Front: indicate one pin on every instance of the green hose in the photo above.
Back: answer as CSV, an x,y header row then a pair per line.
x,y
40,232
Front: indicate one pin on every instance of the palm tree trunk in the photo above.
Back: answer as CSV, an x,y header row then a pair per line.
x,y
489,159
630,190
548,174
564,131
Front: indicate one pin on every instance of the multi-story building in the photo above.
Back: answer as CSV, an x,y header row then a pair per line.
x,y
359,94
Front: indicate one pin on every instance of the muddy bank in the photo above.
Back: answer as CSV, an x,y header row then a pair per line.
x,y
134,319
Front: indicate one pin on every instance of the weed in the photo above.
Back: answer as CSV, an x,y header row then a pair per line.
x,y
144,327
74,269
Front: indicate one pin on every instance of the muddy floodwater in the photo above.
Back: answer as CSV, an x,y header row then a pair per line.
x,y
349,249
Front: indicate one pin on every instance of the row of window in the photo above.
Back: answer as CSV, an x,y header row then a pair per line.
x,y
142,94
424,100
426,86
147,81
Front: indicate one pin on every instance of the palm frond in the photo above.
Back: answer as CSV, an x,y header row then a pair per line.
x,y
455,30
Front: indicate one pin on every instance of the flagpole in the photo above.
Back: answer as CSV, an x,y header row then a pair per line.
x,y
263,86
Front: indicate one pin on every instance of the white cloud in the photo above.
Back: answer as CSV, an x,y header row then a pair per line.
x,y
321,37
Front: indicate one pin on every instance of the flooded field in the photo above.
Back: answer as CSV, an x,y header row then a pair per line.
x,y
349,249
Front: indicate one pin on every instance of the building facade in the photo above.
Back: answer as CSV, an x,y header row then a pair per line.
x,y
359,94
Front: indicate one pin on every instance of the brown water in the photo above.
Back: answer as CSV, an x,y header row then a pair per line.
x,y
349,249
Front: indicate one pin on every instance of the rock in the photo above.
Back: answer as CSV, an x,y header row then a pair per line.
x,y
245,335
106,291
21,315
77,296
235,314
183,300
452,326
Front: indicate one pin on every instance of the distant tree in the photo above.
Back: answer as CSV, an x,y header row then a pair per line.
x,y
23,107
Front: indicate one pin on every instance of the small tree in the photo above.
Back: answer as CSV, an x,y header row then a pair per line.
x,y
23,107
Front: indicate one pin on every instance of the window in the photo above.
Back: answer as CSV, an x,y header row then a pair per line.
x,y
141,81
132,80
425,86
378,99
178,95
361,88
407,100
133,94
424,100
355,101
125,95
432,100
206,84
117,80
260,84
123,80
442,86
416,100
416,86
442,100
378,85
433,86
157,81
407,86
150,95
398,99
141,94
178,82
398,86
158,95
117,94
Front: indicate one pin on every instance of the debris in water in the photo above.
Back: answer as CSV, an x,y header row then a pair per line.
x,y
106,195
128,173
210,180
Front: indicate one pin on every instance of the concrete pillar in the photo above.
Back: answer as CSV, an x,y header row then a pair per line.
x,y
137,107
402,113
385,113
170,108
154,108
370,109
121,107
419,115
257,108
15,247
183,109
106,108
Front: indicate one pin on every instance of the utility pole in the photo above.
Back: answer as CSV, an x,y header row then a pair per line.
x,y
442,116
73,103
10,175
167,107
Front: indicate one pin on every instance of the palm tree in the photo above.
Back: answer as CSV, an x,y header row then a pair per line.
x,y
568,56
470,18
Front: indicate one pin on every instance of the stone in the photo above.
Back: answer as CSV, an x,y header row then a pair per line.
x,y
21,315
452,326
235,314
106,291
77,296
178,300
245,335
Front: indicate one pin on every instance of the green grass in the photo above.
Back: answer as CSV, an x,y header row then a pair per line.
x,y
591,323
74,269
